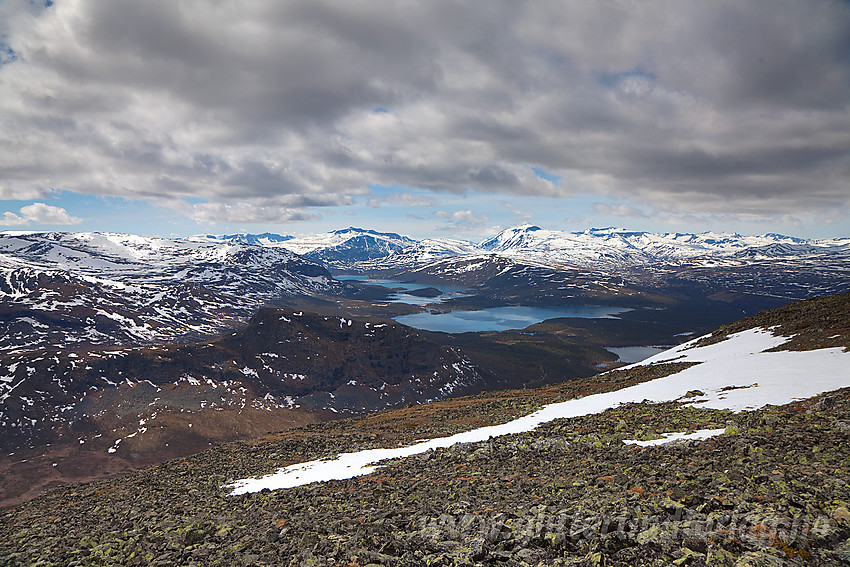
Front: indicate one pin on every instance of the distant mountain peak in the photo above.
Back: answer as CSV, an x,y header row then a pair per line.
x,y
246,238
355,232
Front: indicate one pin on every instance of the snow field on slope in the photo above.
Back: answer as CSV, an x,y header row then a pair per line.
x,y
768,378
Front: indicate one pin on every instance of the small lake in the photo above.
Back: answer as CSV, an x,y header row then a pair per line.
x,y
400,288
502,318
632,354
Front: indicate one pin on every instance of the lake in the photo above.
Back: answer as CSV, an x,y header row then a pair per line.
x,y
502,318
632,354
492,319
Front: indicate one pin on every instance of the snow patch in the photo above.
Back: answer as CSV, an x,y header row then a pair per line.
x,y
699,434
249,372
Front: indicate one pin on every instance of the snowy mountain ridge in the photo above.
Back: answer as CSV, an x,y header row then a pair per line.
x,y
264,239
361,249
351,248
612,246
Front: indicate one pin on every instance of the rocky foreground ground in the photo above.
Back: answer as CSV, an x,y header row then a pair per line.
x,y
772,490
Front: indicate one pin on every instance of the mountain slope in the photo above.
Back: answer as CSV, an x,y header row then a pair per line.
x,y
747,369
72,290
285,368
771,489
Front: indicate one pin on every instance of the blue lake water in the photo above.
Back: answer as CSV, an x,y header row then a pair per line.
x,y
502,318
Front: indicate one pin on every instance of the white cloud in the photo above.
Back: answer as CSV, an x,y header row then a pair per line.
x,y
39,214
245,212
410,200
620,210
404,200
461,221
703,220
11,219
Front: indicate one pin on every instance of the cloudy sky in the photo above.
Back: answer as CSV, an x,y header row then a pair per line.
x,y
452,118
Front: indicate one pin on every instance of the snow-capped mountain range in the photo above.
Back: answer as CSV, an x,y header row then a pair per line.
x,y
67,289
617,247
357,248
596,248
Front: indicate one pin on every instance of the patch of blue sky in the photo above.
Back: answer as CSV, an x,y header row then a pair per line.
x,y
543,174
7,54
194,200
105,214
38,4
392,189
14,205
133,216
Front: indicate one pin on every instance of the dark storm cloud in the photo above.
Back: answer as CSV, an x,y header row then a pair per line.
x,y
685,106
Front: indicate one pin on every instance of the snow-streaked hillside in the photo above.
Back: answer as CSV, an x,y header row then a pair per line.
x,y
67,289
290,364
737,374
419,254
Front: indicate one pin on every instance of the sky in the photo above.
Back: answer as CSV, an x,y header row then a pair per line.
x,y
427,118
